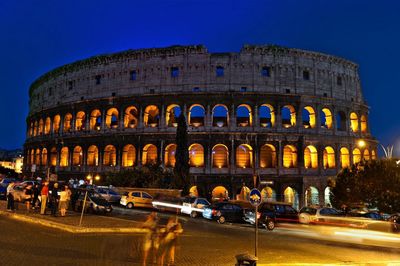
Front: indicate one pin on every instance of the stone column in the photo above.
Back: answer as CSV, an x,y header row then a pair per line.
x,y
103,119
278,116
141,117
208,122
121,119
163,123
232,117
256,120
161,153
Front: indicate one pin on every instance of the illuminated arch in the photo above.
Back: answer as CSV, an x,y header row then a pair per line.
x,y
354,122
149,155
267,115
288,116
41,127
310,157
244,156
309,120
363,124
220,192
64,157
112,118
32,156
289,156
93,156
326,118
53,156
291,196
267,156
169,155
341,122
196,115
151,116
344,157
110,156
47,125
356,156
77,156
30,129
366,155
128,155
131,117
56,123
220,156
95,120
244,117
193,192
44,157
329,158
312,196
244,194
220,115
37,157
67,122
196,155
35,128
373,155
268,194
80,121
172,114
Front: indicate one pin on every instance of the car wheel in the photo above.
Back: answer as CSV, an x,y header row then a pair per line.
x,y
221,220
304,218
129,205
270,224
193,214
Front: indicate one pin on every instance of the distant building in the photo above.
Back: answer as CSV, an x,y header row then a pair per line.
x,y
15,164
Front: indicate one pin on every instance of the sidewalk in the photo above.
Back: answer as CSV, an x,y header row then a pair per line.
x,y
90,224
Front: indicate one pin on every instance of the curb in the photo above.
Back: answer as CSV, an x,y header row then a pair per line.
x,y
71,228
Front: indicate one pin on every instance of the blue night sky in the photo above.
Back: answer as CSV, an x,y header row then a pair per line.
x,y
37,36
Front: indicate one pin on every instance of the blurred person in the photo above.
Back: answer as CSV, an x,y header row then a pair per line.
x,y
69,194
63,201
44,193
35,199
10,197
54,199
168,244
151,238
28,192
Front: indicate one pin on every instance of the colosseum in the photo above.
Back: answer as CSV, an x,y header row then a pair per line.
x,y
288,117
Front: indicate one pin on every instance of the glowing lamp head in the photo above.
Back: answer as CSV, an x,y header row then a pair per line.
x,y
97,177
89,177
361,143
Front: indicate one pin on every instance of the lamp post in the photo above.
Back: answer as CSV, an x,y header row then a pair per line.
x,y
90,178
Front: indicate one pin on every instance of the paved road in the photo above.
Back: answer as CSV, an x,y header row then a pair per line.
x,y
203,243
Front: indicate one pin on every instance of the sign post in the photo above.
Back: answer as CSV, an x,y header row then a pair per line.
x,y
255,200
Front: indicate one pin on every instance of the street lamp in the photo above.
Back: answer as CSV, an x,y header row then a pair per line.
x,y
361,143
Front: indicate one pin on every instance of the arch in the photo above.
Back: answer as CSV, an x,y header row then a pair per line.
x,y
267,156
196,155
93,156
244,194
309,119
32,156
169,156
364,124
37,157
289,156
149,155
291,196
267,115
326,118
112,119
77,156
193,192
373,155
110,156
220,115
151,116
329,158
172,114
244,156
312,196
310,157
56,123
220,156
354,122
35,128
44,157
67,122
197,114
80,121
64,157
244,117
128,155
47,125
327,196
220,193
356,155
366,155
95,120
30,130
53,156
41,127
268,194
341,123
288,116
131,117
344,157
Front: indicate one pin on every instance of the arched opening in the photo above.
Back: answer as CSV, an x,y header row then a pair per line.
x,y
151,116
288,116
131,117
171,117
267,116
47,125
310,157
220,116
196,155
80,121
44,157
41,127
326,118
220,156
110,156
356,156
95,120
354,122
93,156
373,155
169,156
37,157
35,128
291,196
329,158
344,157
196,115
193,192
53,156
149,155
244,194
312,196
56,124
112,118
327,197
267,156
32,156
244,156
128,155
363,124
341,121
67,122
244,116
219,193
64,157
289,156
77,156
366,155
268,194
308,115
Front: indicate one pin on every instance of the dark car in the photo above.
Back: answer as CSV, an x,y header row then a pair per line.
x,y
95,203
4,184
394,220
224,211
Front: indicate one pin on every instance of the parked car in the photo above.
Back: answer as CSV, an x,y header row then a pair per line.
x,y
224,211
136,199
394,219
30,182
95,203
317,215
109,194
194,206
4,184
18,192
168,203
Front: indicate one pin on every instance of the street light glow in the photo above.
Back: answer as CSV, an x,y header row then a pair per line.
x,y
361,143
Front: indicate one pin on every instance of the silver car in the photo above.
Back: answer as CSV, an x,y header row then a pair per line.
x,y
108,194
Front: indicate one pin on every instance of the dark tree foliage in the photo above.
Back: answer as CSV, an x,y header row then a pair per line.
x,y
181,169
375,184
8,172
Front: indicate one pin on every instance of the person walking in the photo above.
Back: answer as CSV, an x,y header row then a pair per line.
x,y
28,192
151,238
63,201
44,193
169,242
35,199
10,197
69,194
54,199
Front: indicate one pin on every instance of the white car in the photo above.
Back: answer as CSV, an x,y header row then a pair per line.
x,y
194,206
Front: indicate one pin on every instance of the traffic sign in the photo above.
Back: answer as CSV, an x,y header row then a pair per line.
x,y
255,197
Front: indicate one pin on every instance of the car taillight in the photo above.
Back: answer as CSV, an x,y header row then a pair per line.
x,y
214,212
258,215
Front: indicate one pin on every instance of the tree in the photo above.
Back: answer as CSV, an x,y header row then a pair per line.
x,y
181,169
